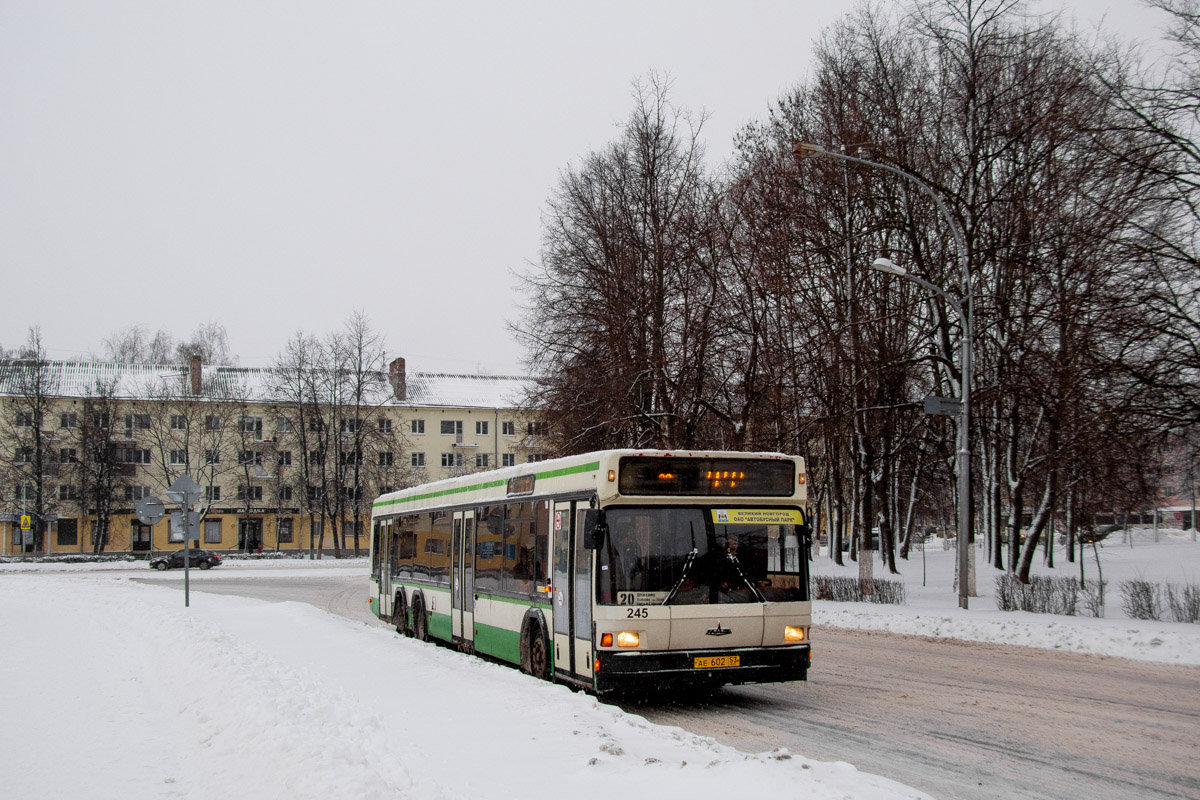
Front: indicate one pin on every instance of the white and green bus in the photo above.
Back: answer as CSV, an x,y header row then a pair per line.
x,y
614,570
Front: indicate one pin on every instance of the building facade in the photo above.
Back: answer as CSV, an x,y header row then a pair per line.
x,y
286,461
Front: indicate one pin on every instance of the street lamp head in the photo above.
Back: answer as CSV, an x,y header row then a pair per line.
x,y
805,149
886,265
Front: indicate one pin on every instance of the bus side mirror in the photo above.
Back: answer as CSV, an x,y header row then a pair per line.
x,y
594,528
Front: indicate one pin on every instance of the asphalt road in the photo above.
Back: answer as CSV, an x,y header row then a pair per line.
x,y
954,719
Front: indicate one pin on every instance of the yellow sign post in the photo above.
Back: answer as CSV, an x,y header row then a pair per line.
x,y
26,522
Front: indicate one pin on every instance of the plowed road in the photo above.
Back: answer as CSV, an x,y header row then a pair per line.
x,y
955,719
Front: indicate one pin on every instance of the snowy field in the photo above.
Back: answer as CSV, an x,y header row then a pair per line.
x,y
116,691
932,609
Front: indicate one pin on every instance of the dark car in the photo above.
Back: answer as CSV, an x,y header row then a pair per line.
x,y
199,558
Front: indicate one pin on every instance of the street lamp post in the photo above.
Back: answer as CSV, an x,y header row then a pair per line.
x,y
804,149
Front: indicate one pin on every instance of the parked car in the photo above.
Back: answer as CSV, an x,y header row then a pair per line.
x,y
203,559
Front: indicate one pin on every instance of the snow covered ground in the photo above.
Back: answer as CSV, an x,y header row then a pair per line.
x,y
932,609
113,689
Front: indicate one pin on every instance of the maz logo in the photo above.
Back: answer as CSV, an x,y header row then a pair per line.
x,y
718,631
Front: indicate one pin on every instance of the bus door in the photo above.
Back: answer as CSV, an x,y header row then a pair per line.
x,y
572,602
462,595
382,545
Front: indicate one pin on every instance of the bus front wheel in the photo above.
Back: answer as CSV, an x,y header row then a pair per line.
x,y
537,653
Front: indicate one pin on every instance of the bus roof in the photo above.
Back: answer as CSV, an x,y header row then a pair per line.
x,y
493,484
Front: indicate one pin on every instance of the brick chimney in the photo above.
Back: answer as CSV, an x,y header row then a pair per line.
x,y
196,362
397,377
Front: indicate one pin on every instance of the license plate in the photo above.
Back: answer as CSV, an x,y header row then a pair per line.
x,y
716,662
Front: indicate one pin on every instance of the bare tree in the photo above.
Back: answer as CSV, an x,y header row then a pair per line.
x,y
210,341
32,386
620,322
134,345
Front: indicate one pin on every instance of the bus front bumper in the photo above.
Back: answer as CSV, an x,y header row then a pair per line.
x,y
633,669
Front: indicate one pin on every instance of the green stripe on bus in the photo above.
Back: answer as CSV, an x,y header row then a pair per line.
x,y
475,487
499,642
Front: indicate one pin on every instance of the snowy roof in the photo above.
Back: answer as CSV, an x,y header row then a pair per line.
x,y
467,391
135,381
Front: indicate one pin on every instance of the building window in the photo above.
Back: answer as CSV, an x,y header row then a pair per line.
x,y
418,426
25,492
212,456
24,419
385,425
284,531
137,422
285,457
285,494
351,425
133,455
536,457
212,422
387,459
482,460
212,493
508,459
178,422
250,457
386,489
537,429
314,531
23,455
352,493
315,457
68,455
481,427
316,425
452,427
69,421
283,425
252,426
508,428
135,493
68,491
212,531
178,458
249,492
418,459
452,459
68,531
351,457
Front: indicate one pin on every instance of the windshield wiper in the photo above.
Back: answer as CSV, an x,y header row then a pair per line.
x,y
737,566
687,565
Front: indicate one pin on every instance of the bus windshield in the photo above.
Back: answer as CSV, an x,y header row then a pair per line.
x,y
690,556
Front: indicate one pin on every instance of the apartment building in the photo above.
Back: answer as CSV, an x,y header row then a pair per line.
x,y
285,461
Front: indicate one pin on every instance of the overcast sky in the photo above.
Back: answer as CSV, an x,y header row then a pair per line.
x,y
272,166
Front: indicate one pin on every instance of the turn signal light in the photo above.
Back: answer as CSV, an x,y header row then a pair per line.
x,y
628,639
793,633
606,640
612,475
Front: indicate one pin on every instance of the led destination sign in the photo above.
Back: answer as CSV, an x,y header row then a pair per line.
x,y
654,475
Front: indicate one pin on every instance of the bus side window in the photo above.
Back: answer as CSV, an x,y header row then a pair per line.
x,y
541,537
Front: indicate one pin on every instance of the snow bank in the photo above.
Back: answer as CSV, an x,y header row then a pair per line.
x,y
125,693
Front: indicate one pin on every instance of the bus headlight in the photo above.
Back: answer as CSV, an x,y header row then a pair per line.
x,y
628,639
793,633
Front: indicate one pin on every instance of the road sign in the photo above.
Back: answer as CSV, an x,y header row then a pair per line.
x,y
149,510
26,522
193,525
943,406
184,491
